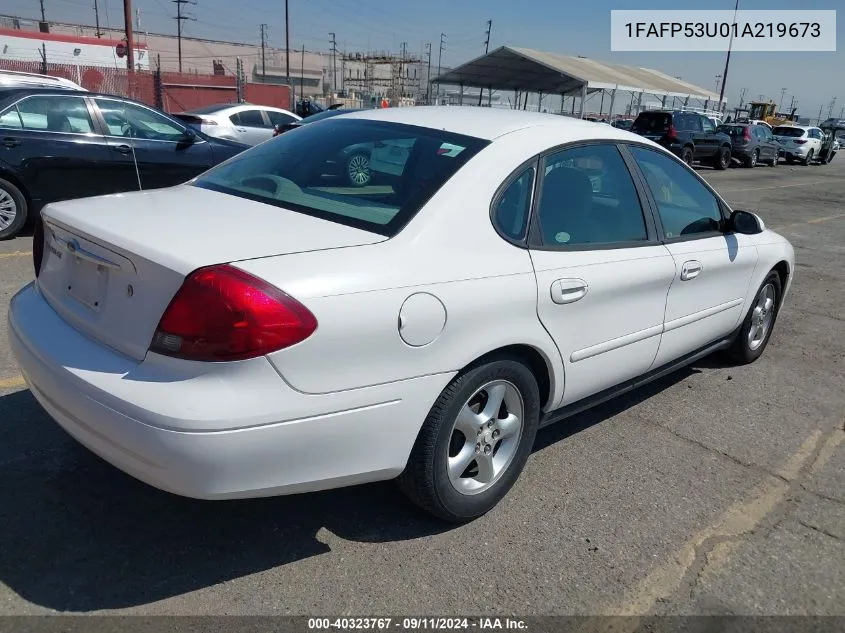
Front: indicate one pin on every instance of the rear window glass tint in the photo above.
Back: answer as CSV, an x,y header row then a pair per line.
x,y
789,131
652,123
371,175
734,131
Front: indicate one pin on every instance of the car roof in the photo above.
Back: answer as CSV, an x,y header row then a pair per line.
x,y
484,123
40,90
233,107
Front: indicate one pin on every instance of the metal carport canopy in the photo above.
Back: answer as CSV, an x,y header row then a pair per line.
x,y
510,68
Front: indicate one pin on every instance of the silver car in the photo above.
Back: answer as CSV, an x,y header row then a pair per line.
x,y
242,122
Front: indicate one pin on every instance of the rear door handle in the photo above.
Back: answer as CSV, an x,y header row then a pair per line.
x,y
123,149
690,270
11,142
568,290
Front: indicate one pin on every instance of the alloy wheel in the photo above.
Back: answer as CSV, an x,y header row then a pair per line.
x,y
761,317
358,169
8,209
485,437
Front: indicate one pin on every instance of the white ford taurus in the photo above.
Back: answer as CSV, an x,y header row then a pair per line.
x,y
269,329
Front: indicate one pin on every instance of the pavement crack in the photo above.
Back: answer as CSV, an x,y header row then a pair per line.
x,y
820,530
821,495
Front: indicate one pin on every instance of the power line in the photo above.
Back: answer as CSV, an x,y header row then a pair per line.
x,y
179,19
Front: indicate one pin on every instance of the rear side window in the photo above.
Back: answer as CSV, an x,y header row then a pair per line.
x,y
250,118
279,118
587,196
652,123
371,175
686,207
11,119
511,207
688,123
55,114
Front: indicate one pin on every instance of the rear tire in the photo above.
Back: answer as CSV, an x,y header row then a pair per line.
x,y
809,158
13,210
751,163
722,159
467,491
759,322
686,156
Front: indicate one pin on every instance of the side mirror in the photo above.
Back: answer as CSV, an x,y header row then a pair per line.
x,y
746,223
189,137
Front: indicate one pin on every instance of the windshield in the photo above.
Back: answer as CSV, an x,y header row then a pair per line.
x,y
786,130
367,174
652,123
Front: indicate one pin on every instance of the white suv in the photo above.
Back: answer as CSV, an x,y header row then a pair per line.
x,y
800,143
13,78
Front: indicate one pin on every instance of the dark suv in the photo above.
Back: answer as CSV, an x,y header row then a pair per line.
x,y
689,135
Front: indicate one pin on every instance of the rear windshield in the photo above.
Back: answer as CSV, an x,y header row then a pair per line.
x,y
211,109
734,131
367,174
786,130
652,123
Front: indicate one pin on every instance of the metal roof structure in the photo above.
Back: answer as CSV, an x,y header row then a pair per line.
x,y
525,69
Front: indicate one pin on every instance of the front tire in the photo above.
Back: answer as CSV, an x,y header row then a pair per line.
x,y
758,324
475,441
722,159
13,210
686,156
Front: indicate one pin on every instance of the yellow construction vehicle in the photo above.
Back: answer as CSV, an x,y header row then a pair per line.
x,y
765,111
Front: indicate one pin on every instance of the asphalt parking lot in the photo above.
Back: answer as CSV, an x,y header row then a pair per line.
x,y
716,490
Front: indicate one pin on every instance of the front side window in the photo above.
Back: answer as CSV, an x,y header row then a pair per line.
x,y
685,205
68,115
511,207
279,118
133,121
587,196
372,175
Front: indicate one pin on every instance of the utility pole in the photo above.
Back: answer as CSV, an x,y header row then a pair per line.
x,y
428,75
130,44
439,60
99,33
179,18
782,93
263,58
43,18
820,115
334,61
287,45
486,50
404,50
301,76
727,60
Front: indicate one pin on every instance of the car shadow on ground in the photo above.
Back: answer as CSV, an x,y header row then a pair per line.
x,y
79,535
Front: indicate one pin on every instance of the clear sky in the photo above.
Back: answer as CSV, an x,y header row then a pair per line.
x,y
569,27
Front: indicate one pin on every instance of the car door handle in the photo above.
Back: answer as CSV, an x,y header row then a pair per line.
x,y
690,270
11,142
123,149
568,290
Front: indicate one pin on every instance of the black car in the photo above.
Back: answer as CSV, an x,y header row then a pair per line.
x,y
689,135
59,145
325,114
752,144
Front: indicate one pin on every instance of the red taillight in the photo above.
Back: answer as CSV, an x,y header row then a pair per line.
x,y
746,134
38,245
672,133
222,313
800,141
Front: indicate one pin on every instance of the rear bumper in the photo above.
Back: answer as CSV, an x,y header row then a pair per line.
x,y
219,430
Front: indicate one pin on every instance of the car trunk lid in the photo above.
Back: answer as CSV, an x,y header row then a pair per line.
x,y
112,264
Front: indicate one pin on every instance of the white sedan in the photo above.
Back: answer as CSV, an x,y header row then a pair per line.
x,y
519,269
241,122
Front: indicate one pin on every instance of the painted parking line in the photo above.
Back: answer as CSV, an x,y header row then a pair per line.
x,y
16,254
827,218
711,548
13,382
797,184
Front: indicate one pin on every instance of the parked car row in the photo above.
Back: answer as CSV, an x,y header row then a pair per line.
x,y
694,138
